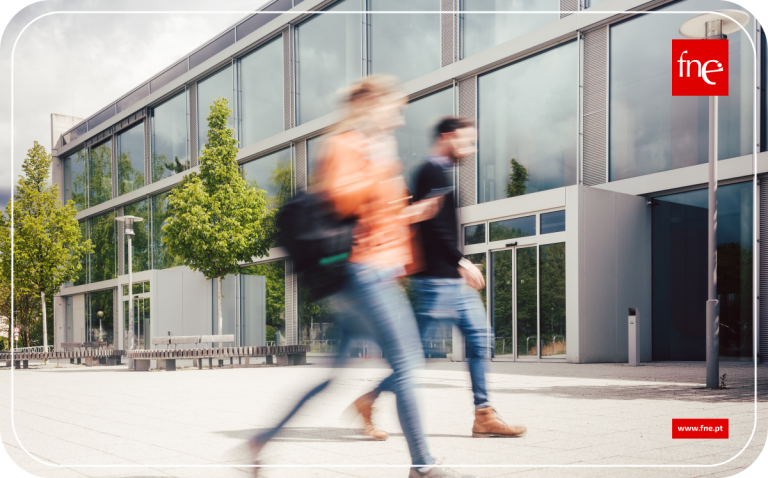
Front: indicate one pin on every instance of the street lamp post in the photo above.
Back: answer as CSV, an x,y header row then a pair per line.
x,y
129,220
713,26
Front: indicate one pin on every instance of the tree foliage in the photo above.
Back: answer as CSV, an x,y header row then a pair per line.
x,y
518,179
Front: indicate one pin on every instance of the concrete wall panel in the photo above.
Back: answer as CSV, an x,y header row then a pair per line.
x,y
630,267
78,318
169,296
196,306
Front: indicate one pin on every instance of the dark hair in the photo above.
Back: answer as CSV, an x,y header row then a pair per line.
x,y
449,124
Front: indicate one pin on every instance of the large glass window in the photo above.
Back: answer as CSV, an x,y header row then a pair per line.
x,y
527,125
169,138
526,312
329,57
651,130
100,317
552,299
82,274
263,303
512,228
140,240
314,145
104,255
405,45
680,274
272,173
502,301
474,234
415,138
161,258
317,324
100,173
553,222
261,93
130,160
482,31
217,85
76,179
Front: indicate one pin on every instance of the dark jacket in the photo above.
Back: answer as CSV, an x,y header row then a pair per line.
x,y
440,234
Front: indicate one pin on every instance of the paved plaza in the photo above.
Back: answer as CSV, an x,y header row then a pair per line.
x,y
599,414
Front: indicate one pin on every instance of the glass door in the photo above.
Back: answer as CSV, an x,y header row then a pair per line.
x,y
141,319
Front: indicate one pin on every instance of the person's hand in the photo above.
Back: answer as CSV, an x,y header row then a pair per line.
x,y
472,275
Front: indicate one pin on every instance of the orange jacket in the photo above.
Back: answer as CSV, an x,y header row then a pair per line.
x,y
375,192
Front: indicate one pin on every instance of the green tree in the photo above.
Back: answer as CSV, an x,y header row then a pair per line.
x,y
518,179
216,220
47,240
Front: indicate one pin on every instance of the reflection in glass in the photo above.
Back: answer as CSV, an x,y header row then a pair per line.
x,y
272,173
314,145
502,300
474,234
99,323
526,310
479,260
263,302
329,57
553,222
140,240
317,324
169,138
552,330
394,38
511,228
261,93
217,85
161,258
527,125
415,138
142,325
680,280
82,274
652,131
483,31
76,179
130,160
100,174
103,259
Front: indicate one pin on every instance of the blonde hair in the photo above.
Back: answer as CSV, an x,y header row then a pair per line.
x,y
356,99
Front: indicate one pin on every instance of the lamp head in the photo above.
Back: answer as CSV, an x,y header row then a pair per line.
x,y
129,220
715,25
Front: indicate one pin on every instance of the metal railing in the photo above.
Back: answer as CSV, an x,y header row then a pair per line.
x,y
35,350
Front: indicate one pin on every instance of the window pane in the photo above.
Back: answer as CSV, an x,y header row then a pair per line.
x,y
329,50
161,258
317,324
502,301
104,253
474,234
99,323
553,222
415,138
651,130
553,300
263,303
217,85
76,179
394,38
680,281
82,274
313,158
261,93
140,240
169,138
100,173
130,160
272,173
511,228
527,125
482,31
526,302
479,260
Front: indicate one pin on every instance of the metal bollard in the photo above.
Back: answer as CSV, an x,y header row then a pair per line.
x,y
634,337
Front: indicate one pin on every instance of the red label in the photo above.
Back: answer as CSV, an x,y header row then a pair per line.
x,y
700,428
699,67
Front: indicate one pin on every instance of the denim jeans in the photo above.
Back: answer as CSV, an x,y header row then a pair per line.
x,y
451,301
372,305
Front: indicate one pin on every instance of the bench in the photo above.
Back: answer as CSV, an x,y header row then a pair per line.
x,y
91,354
283,355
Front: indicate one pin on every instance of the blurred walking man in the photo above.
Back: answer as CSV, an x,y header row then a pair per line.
x,y
441,287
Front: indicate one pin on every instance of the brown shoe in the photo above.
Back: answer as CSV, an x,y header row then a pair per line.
x,y
488,424
364,406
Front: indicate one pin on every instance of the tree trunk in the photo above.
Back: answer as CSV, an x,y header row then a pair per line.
x,y
45,325
218,298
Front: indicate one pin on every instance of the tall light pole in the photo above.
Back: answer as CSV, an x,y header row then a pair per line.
x,y
713,26
128,229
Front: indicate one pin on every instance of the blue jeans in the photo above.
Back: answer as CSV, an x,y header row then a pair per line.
x,y
451,301
372,305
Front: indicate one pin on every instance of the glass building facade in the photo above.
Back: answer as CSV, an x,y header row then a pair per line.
x,y
100,174
76,179
170,153
218,85
271,173
130,160
140,240
260,93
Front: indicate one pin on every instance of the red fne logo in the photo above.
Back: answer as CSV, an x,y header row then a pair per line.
x,y
699,67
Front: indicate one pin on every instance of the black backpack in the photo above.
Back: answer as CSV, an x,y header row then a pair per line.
x,y
317,240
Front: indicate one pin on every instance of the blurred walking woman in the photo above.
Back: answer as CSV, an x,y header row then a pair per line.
x,y
361,175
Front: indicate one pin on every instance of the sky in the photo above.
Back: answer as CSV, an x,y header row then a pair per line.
x,y
77,63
